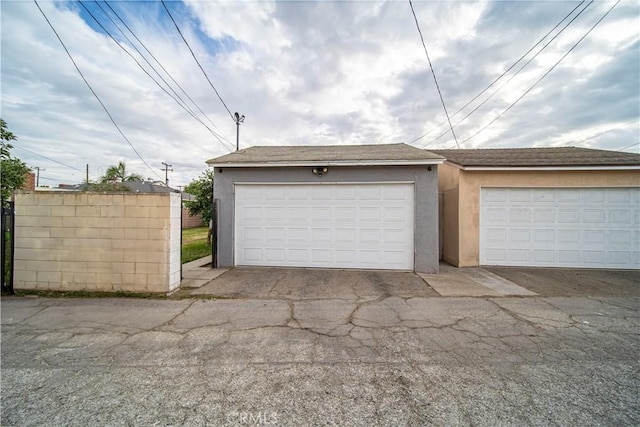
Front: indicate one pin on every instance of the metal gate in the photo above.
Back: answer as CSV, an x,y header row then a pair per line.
x,y
7,246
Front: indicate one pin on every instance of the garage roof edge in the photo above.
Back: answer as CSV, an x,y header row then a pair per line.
x,y
549,158
326,163
330,155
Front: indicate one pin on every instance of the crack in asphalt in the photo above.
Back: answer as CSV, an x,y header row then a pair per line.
x,y
362,333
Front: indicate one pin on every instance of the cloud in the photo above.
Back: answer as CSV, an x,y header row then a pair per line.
x,y
309,73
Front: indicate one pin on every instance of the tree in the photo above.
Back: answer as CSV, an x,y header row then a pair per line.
x,y
202,189
13,171
119,174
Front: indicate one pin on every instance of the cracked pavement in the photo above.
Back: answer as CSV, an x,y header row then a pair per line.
x,y
385,358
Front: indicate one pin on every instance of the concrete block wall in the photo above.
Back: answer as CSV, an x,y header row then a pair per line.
x,y
189,221
97,241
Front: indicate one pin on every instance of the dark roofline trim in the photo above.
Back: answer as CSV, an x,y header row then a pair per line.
x,y
332,163
543,168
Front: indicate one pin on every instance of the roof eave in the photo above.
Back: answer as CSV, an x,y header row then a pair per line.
x,y
545,168
424,162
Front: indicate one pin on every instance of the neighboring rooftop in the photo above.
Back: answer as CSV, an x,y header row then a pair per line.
x,y
389,154
133,186
539,157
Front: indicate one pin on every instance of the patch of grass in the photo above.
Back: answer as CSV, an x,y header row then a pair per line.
x,y
194,244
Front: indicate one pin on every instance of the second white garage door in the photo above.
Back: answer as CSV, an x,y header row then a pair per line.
x,y
560,227
325,225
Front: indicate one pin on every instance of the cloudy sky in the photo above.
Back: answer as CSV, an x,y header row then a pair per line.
x,y
311,73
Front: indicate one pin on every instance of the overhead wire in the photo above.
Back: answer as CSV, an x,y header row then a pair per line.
x,y
45,157
513,75
607,131
505,72
628,146
196,59
218,135
433,72
104,107
543,76
177,100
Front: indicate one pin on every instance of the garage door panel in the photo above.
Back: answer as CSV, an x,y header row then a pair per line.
x,y
595,228
326,225
620,216
544,216
252,234
320,192
495,215
299,256
543,237
297,235
321,214
346,235
345,214
370,236
274,254
594,216
370,214
543,256
251,213
368,193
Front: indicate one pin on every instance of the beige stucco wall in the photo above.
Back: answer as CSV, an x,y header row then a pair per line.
x,y
97,241
461,239
448,186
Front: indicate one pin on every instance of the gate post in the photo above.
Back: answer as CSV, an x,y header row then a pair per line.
x,y
214,233
7,225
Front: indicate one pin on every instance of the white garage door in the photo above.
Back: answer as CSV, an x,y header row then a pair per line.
x,y
325,225
560,227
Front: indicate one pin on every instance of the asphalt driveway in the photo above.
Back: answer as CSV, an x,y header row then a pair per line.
x,y
393,361
377,356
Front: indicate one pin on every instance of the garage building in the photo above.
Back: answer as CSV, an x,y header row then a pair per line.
x,y
544,207
364,207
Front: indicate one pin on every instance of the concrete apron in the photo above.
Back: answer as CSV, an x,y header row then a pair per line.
x,y
198,273
450,282
472,282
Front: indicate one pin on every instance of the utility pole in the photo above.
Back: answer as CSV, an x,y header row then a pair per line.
x,y
239,119
166,173
87,173
38,168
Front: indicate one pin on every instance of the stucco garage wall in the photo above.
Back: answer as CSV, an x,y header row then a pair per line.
x,y
468,209
448,186
97,241
426,188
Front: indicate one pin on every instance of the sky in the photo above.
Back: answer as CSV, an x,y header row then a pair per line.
x,y
310,73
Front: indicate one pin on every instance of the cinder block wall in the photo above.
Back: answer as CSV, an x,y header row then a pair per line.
x,y
97,241
189,221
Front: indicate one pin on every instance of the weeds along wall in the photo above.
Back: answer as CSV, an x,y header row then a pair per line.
x,y
97,241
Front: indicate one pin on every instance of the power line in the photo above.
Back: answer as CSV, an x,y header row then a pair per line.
x,y
514,75
196,59
607,131
161,66
45,157
432,72
91,89
219,136
543,76
628,146
509,69
181,104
